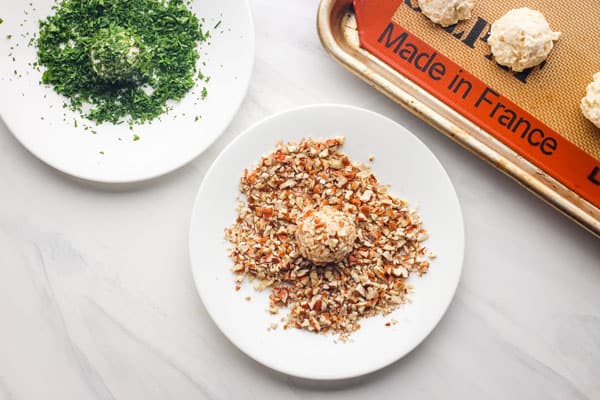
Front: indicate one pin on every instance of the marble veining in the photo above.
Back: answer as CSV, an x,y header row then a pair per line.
x,y
97,300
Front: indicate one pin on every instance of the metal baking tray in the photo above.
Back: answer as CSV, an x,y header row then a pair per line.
x,y
337,27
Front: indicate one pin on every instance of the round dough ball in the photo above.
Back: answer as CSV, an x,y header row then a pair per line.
x,y
115,54
447,12
521,39
590,104
325,236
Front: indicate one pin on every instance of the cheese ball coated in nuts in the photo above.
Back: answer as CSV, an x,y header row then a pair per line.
x,y
447,12
521,39
325,235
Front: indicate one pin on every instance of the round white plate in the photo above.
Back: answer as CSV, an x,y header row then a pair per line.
x,y
163,146
414,174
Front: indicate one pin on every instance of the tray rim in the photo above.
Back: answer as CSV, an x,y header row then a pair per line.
x,y
539,183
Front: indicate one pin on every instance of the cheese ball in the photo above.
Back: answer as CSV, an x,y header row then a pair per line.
x,y
115,54
325,235
521,39
590,104
447,12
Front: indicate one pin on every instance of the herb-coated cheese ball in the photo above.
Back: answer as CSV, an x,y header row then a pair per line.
x,y
115,54
325,235
590,104
447,12
521,39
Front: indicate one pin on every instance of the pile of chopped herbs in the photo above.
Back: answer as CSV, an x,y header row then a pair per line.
x,y
119,60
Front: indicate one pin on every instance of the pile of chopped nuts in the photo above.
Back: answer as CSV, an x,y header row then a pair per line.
x,y
332,297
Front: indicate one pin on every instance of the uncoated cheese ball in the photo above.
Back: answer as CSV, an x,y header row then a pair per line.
x,y
447,12
521,39
590,104
325,235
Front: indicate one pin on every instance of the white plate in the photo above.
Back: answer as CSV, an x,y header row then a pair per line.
x,y
163,146
414,174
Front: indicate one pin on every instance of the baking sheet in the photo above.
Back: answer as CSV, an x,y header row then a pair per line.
x,y
339,34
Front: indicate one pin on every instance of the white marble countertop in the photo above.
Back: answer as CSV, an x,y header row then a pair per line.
x,y
97,299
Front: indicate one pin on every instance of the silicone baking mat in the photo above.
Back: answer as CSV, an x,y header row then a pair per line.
x,y
535,112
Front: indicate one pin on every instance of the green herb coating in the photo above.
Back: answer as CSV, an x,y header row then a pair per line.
x,y
116,54
122,59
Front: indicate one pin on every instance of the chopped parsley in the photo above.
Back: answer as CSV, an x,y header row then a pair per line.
x,y
165,34
136,138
